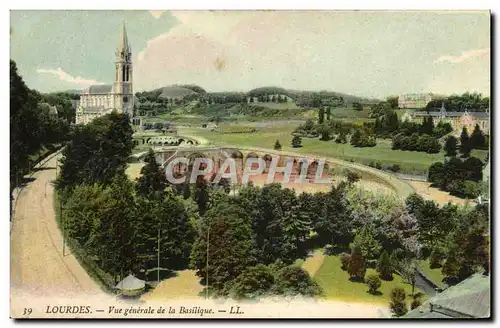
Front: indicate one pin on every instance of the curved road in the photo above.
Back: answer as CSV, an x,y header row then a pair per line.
x,y
37,265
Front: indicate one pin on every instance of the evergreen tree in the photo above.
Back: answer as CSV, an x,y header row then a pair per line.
x,y
356,267
465,143
321,115
384,266
436,258
328,113
451,266
450,146
277,145
296,142
477,138
152,181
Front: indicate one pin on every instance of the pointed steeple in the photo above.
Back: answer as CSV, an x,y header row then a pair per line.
x,y
123,45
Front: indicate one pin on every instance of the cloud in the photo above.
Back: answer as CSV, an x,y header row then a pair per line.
x,y
63,76
464,56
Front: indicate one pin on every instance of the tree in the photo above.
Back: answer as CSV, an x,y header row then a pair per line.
x,y
436,173
296,142
477,138
417,301
366,242
321,115
398,304
328,113
254,282
450,146
451,266
356,138
293,280
384,266
152,181
277,145
465,144
352,177
393,101
231,245
357,268
373,282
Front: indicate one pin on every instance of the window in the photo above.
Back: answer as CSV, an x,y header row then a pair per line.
x,y
125,99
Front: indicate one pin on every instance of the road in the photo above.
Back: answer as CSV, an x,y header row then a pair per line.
x,y
37,265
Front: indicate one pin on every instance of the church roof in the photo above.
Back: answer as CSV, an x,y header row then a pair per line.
x,y
123,44
451,114
100,89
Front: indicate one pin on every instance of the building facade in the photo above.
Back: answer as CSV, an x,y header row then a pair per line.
x,y
98,100
457,120
414,100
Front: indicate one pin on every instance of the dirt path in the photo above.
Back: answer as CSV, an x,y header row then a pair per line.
x,y
184,286
37,266
313,262
439,196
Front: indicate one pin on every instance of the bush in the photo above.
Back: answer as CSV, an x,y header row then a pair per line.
x,y
253,282
417,301
277,145
345,258
373,282
293,280
398,304
356,267
352,177
466,189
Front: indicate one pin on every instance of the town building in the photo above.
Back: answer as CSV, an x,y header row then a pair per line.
x,y
98,100
457,120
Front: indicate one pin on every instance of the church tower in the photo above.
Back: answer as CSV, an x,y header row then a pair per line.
x,y
123,91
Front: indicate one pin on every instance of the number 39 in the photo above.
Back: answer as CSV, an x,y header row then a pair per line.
x,y
27,311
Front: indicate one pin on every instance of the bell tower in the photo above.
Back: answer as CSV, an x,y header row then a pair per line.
x,y
123,91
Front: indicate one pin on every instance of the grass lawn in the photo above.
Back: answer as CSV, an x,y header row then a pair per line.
x,y
336,284
433,274
265,137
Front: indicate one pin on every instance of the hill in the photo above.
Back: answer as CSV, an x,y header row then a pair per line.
x,y
174,91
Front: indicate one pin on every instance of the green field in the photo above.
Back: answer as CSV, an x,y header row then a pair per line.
x,y
433,274
265,137
336,284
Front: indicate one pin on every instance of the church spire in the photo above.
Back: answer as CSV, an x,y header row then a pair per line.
x,y
123,44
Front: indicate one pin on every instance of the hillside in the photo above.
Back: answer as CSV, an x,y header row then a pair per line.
x,y
174,91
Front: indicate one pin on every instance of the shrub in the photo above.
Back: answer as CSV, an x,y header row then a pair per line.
x,y
345,258
293,280
398,304
356,267
277,145
467,189
253,282
417,301
394,168
373,282
352,177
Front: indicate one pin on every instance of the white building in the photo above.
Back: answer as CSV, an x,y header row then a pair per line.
x,y
98,100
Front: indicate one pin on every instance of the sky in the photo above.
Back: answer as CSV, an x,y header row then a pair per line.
x,y
370,54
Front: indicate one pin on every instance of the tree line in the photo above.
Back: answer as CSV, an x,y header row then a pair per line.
x,y
32,126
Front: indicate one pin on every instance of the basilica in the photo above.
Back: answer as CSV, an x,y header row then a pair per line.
x,y
98,100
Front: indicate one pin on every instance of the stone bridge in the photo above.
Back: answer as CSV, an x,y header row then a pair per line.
x,y
163,140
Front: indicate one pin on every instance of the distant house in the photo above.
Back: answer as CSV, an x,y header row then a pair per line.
x,y
457,120
466,300
52,110
414,100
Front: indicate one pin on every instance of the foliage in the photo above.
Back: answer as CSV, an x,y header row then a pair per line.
x,y
356,267
352,177
437,256
152,181
458,103
296,142
366,242
465,143
231,248
345,258
373,282
277,145
398,304
384,266
450,146
293,280
254,282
